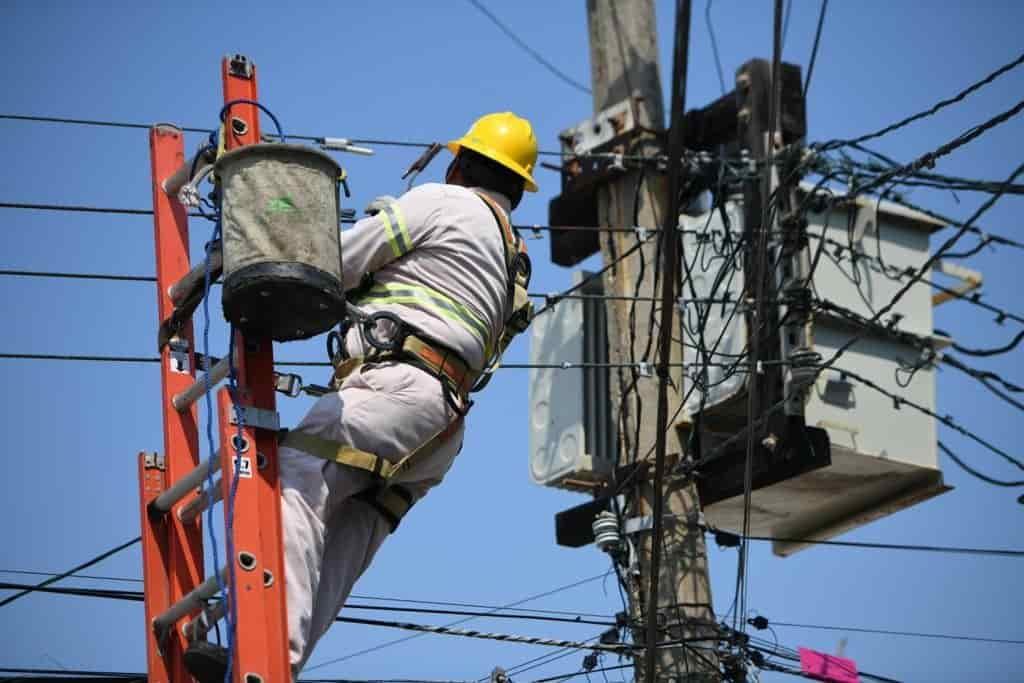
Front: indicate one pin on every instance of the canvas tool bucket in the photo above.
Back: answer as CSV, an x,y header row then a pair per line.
x,y
282,246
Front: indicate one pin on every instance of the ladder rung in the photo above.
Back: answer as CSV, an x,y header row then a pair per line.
x,y
216,374
197,628
200,503
173,183
192,601
179,489
184,288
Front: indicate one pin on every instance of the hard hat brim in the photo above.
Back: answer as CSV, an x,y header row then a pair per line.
x,y
455,145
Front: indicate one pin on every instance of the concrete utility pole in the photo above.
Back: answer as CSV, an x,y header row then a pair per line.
x,y
624,63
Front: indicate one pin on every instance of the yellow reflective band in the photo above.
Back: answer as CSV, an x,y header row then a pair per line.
x,y
387,293
398,233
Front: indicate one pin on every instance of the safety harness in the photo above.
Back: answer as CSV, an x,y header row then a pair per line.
x,y
408,344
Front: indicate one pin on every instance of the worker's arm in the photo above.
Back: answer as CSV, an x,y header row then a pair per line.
x,y
394,231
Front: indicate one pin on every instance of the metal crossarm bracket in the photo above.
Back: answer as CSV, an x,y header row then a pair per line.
x,y
637,525
258,418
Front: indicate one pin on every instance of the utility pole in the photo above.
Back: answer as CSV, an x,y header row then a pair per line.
x,y
624,64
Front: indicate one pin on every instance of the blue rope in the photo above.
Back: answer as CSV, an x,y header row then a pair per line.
x,y
231,614
210,484
228,105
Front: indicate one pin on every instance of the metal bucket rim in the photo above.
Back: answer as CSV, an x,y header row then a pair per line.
x,y
270,150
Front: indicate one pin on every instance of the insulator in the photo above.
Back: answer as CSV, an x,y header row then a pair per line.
x,y
606,532
804,366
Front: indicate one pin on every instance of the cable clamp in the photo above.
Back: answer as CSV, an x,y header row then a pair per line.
x,y
642,234
288,384
645,369
179,355
345,145
258,418
154,461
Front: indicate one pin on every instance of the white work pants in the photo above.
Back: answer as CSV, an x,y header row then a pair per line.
x,y
388,409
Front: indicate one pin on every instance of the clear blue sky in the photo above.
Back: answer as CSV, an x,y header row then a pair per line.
x,y
423,71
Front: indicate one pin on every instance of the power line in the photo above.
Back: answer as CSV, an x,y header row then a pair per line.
x,y
566,677
814,49
79,276
970,470
908,634
398,641
714,45
996,552
69,675
529,50
77,208
484,635
85,565
82,674
78,357
575,615
137,596
931,110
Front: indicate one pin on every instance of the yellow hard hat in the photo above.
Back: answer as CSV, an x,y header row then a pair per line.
x,y
505,138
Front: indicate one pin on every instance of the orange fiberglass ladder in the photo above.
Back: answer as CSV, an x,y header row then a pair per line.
x,y
176,594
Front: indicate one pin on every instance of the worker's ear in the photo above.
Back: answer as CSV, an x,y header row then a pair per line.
x,y
452,176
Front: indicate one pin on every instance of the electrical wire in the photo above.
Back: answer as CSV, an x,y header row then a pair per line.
x,y
960,96
714,45
814,49
137,596
381,646
77,568
538,57
970,470
908,634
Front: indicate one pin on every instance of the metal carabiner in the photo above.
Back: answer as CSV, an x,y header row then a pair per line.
x,y
396,341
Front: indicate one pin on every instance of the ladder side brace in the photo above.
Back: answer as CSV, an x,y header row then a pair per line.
x,y
172,551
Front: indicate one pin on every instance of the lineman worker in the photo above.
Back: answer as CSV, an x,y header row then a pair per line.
x,y
438,277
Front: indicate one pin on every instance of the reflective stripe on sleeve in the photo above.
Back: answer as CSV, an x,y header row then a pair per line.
x,y
431,300
397,232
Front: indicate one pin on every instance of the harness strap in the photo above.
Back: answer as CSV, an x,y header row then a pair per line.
x,y
338,452
391,502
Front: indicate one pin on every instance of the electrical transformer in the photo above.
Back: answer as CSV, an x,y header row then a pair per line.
x,y
572,439
855,453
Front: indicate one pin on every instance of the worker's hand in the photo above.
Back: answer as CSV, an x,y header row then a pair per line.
x,y
378,204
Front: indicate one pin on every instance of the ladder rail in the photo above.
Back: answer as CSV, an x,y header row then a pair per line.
x,y
172,551
261,630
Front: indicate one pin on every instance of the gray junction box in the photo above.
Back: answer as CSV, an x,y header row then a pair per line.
x,y
883,456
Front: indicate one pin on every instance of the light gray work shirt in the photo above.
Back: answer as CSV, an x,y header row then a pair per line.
x,y
438,262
